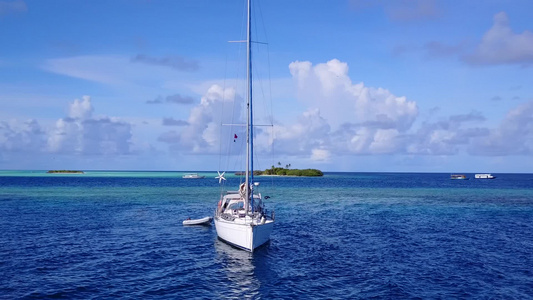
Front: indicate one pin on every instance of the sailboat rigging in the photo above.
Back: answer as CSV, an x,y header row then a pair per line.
x,y
240,218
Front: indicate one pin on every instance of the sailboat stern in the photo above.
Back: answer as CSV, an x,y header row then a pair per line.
x,y
245,236
261,233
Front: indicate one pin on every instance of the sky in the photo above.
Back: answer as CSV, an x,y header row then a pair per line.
x,y
349,85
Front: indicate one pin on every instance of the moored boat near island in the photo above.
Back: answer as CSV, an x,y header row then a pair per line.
x,y
192,176
458,176
484,176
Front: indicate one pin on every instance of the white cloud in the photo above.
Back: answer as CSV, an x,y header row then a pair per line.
x,y
358,118
342,118
320,155
81,109
201,134
385,141
77,134
103,69
26,137
81,133
116,70
500,45
346,118
514,136
446,137
61,138
329,88
310,133
300,70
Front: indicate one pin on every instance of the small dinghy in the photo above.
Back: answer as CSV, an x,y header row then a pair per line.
x,y
202,221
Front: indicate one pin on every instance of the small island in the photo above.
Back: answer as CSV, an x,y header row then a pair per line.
x,y
287,171
65,172
290,172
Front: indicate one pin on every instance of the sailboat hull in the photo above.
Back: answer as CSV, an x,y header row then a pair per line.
x,y
244,236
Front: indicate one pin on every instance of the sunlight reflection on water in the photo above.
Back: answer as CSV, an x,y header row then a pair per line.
x,y
239,270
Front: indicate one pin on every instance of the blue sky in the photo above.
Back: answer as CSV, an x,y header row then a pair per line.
x,y
405,85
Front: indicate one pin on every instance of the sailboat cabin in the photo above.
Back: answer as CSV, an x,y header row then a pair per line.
x,y
232,204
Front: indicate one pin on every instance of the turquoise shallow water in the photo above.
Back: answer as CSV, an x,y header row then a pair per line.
x,y
345,235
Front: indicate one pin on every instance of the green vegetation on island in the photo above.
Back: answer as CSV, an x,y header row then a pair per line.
x,y
66,171
289,172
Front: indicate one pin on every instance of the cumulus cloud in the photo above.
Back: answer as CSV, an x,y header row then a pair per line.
x,y
346,117
320,155
9,7
309,136
175,62
500,45
201,134
446,137
514,136
328,87
170,137
81,133
81,109
25,136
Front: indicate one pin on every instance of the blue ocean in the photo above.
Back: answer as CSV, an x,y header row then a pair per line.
x,y
102,235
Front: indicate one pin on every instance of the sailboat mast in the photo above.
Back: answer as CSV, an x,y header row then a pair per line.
x,y
248,106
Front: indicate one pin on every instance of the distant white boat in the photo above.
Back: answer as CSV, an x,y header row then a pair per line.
x,y
202,221
484,176
192,176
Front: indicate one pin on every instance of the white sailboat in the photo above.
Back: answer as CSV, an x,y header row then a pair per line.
x,y
240,218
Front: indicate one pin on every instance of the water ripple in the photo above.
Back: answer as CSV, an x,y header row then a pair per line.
x,y
344,236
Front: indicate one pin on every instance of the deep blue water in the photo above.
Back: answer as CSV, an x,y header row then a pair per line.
x,y
345,235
